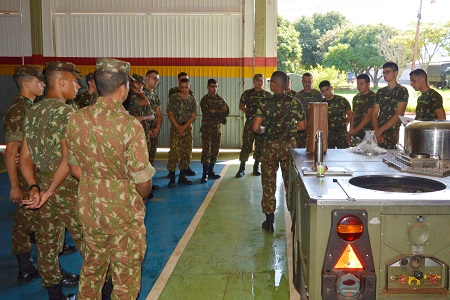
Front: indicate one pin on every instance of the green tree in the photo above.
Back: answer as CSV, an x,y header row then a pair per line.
x,y
288,47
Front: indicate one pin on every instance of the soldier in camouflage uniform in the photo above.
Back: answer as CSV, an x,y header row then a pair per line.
x,y
248,103
181,111
30,81
214,112
390,103
339,115
43,165
106,150
429,104
282,116
90,96
290,91
151,82
308,94
362,107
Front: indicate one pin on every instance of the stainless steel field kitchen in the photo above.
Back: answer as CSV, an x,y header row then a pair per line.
x,y
368,230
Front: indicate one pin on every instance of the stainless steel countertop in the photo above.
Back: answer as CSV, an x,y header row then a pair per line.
x,y
324,191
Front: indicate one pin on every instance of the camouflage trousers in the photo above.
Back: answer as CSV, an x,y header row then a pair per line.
x,y
57,214
248,137
118,252
24,224
301,139
391,138
274,154
152,144
337,139
180,149
210,147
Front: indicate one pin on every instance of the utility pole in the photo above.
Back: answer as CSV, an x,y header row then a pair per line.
x,y
416,41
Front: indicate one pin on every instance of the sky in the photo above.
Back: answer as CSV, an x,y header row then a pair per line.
x,y
398,13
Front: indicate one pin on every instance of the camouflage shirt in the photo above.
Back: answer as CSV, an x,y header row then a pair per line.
x,y
361,104
251,99
86,99
176,90
306,97
44,128
110,147
427,104
72,103
136,110
388,100
281,113
154,100
13,119
292,93
337,113
181,108
212,122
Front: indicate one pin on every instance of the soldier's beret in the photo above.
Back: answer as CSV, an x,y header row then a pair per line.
x,y
112,65
27,70
62,66
139,78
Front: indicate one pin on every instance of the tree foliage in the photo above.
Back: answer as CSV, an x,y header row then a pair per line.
x,y
289,51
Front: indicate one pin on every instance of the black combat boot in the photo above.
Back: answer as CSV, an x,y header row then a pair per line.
x,y
182,178
211,173
204,174
241,171
190,172
107,289
172,179
267,225
68,279
55,293
27,268
256,170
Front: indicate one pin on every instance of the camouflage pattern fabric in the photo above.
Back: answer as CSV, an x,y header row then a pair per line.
x,y
211,127
251,99
44,128
176,90
86,99
182,109
155,102
73,103
427,104
388,101
110,208
139,111
24,219
281,114
292,93
180,149
305,98
361,104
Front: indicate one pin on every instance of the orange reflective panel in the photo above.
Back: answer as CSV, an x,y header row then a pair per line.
x,y
348,259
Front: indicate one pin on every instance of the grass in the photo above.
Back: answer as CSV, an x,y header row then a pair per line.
x,y
350,92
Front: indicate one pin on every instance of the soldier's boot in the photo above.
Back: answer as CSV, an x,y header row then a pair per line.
x,y
241,171
211,173
190,172
55,293
182,178
172,179
267,225
107,289
27,269
68,279
204,174
256,170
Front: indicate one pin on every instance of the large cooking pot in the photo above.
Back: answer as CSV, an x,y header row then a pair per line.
x,y
430,137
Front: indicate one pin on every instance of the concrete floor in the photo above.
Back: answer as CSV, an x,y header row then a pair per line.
x,y
204,241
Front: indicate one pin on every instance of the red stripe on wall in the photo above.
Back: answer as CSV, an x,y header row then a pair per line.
x,y
156,61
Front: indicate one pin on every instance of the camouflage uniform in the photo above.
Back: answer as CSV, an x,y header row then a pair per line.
x,y
281,113
73,103
110,208
176,90
251,99
180,146
211,127
291,93
136,110
44,128
24,219
155,102
427,104
337,122
361,104
86,99
305,98
388,100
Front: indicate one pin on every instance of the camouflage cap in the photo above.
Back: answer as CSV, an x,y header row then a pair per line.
x,y
113,66
89,76
139,78
62,66
27,70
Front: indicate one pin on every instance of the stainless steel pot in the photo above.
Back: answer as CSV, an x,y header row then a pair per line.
x,y
431,137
